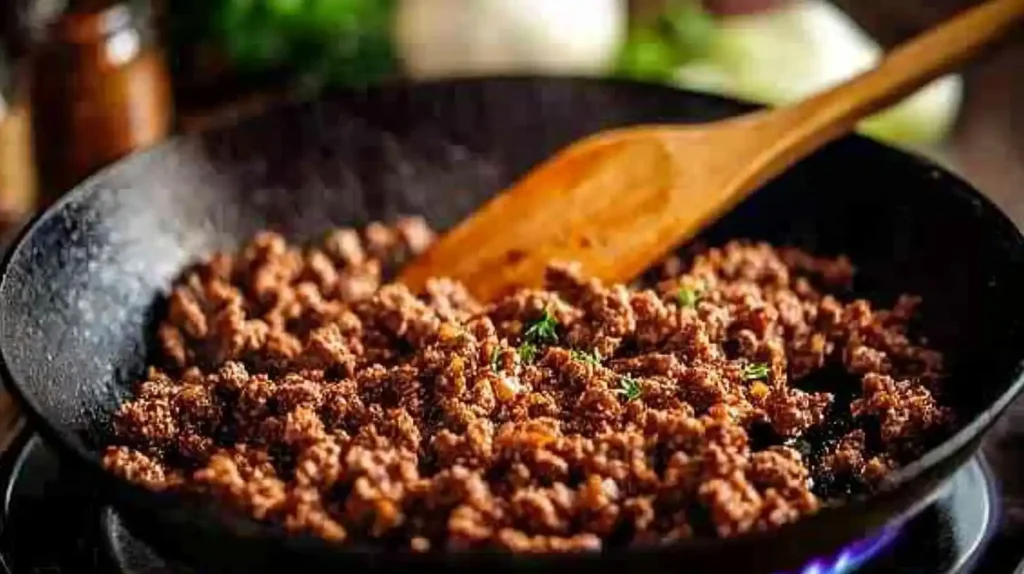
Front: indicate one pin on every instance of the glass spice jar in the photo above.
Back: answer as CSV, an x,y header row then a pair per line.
x,y
101,88
18,196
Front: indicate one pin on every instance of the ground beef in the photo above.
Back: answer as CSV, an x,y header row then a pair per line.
x,y
733,393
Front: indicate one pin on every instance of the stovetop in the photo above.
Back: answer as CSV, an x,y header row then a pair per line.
x,y
53,524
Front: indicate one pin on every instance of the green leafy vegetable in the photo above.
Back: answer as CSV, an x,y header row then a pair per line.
x,y
646,56
542,330
689,29
630,388
334,41
593,358
755,371
654,49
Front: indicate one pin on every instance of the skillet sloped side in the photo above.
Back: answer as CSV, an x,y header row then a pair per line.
x,y
78,291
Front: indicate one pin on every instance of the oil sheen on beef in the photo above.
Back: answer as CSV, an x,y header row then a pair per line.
x,y
734,392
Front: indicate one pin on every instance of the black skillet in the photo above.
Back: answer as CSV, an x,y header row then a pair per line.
x,y
77,294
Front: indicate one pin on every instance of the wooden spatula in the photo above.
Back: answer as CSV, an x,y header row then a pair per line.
x,y
620,200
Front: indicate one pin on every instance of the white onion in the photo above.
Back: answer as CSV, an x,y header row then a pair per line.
x,y
439,38
807,46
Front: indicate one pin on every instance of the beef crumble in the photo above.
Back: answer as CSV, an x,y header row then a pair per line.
x,y
733,394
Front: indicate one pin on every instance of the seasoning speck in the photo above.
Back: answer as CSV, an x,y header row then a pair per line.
x,y
755,372
630,388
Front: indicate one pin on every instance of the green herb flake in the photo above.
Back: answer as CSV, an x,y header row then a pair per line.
x,y
755,372
630,388
495,359
687,298
658,43
592,359
527,352
542,330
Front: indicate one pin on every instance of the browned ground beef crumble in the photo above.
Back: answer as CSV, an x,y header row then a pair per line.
x,y
734,395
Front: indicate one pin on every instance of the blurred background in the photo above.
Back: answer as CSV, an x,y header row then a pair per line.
x,y
84,82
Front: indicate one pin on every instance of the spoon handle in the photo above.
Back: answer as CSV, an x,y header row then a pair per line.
x,y
806,126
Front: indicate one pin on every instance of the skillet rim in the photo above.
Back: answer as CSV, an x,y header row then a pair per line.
x,y
255,531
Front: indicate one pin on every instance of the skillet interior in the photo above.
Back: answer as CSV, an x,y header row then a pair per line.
x,y
76,299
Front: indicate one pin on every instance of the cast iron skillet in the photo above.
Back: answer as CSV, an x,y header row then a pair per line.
x,y
77,294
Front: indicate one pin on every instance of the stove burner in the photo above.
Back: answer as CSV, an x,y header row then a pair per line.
x,y
42,502
967,521
853,556
129,554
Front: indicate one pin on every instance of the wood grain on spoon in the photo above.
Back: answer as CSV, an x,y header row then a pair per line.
x,y
620,200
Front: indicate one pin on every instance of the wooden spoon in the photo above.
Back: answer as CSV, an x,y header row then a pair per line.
x,y
620,200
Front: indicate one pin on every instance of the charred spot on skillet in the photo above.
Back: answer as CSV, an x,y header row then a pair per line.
x,y
297,386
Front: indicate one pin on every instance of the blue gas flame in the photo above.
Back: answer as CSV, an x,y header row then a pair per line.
x,y
852,557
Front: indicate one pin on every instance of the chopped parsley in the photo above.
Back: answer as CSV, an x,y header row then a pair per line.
x,y
755,371
629,388
687,298
593,359
496,359
527,352
542,330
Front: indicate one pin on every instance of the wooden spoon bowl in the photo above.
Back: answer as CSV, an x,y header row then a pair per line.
x,y
620,200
